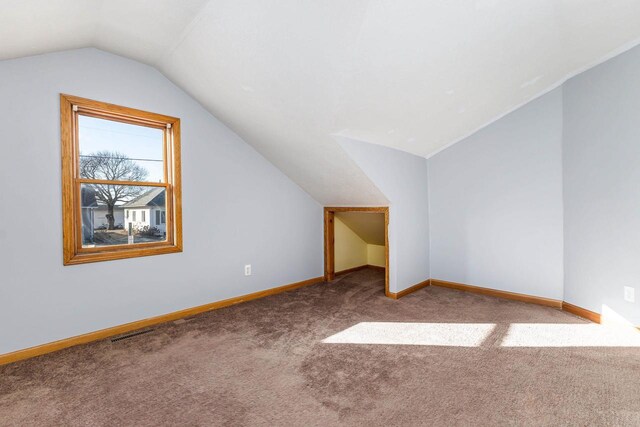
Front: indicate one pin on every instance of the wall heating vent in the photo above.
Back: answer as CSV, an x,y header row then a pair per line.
x,y
131,335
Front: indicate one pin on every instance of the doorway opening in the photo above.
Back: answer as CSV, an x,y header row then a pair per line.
x,y
368,224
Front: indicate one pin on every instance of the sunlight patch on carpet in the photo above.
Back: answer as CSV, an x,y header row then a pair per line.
x,y
478,334
569,335
399,333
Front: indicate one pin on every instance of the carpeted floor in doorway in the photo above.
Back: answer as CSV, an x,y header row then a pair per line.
x,y
341,354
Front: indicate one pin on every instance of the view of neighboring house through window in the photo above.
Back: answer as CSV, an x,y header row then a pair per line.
x,y
120,161
160,217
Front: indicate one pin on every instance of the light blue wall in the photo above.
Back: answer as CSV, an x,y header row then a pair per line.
x,y
402,179
601,157
237,207
546,201
496,204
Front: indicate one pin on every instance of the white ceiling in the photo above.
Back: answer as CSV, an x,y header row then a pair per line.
x,y
289,75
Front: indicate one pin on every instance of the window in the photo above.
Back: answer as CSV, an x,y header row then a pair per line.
x,y
157,217
117,159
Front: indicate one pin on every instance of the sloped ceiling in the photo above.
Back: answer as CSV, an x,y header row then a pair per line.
x,y
367,225
289,75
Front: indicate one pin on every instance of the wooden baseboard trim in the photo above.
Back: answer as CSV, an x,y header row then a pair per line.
x,y
362,267
563,305
351,270
499,294
584,313
581,312
139,324
397,295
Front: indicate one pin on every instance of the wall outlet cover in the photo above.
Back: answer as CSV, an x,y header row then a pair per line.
x,y
629,294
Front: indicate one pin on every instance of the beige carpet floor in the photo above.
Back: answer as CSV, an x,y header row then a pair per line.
x,y
341,354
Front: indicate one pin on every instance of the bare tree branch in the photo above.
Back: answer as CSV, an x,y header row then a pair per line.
x,y
112,166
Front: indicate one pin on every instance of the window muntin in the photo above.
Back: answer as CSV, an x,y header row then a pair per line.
x,y
117,161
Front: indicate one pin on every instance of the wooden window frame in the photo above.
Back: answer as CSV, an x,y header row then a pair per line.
x,y
73,252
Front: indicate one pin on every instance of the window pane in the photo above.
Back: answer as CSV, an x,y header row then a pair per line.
x,y
120,151
120,214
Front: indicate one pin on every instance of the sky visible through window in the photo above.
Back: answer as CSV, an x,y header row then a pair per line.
x,y
142,145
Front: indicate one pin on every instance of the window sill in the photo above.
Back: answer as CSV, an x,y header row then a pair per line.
x,y
107,255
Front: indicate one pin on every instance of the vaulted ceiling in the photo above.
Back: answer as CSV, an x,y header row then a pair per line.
x,y
290,75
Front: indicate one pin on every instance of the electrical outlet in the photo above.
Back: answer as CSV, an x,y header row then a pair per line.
x,y
629,294
247,270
